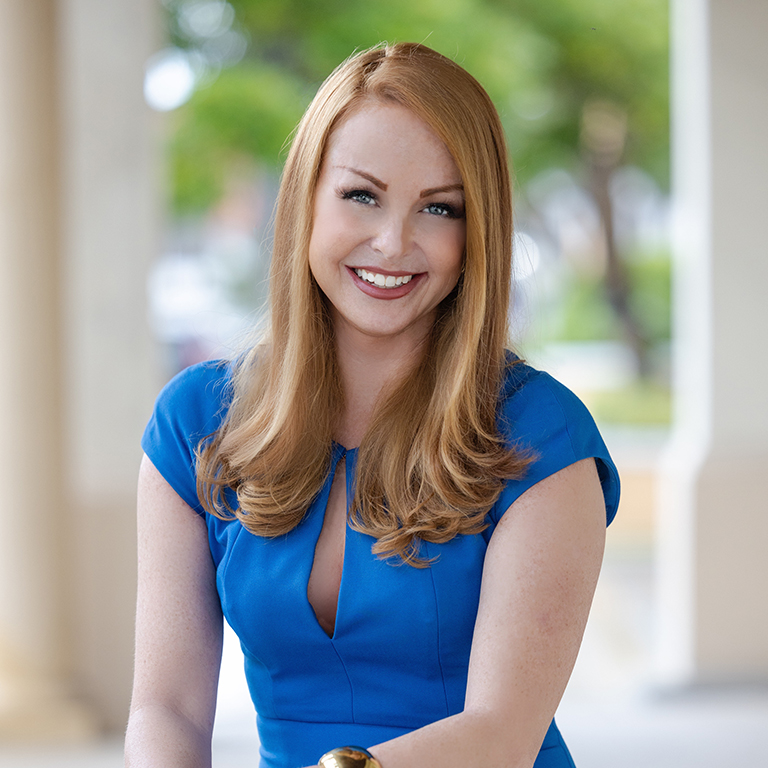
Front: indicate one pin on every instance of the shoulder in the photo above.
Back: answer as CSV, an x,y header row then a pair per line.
x,y
543,418
533,403
197,397
202,389
191,406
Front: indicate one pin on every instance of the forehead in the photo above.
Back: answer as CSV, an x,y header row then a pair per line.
x,y
388,134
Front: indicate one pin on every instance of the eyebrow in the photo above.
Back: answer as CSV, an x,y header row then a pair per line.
x,y
378,182
447,188
381,185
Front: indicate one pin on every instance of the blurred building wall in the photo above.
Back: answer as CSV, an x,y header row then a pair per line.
x,y
713,515
77,230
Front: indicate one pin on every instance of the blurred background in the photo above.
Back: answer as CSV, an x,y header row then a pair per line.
x,y
141,144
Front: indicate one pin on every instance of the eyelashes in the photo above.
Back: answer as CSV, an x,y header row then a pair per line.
x,y
445,209
361,196
367,197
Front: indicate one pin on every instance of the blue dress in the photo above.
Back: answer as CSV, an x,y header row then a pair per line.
x,y
399,654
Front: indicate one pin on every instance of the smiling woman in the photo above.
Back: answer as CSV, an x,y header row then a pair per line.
x,y
274,446
401,520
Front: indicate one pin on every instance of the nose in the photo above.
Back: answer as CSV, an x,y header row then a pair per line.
x,y
393,236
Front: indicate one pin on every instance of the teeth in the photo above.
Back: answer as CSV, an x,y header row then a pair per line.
x,y
383,281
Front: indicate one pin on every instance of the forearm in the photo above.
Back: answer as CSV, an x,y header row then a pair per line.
x,y
464,740
159,737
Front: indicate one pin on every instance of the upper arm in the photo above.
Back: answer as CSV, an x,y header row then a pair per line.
x,y
178,615
539,576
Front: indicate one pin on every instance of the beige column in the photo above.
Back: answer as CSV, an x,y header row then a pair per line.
x,y
35,695
713,513
78,213
111,209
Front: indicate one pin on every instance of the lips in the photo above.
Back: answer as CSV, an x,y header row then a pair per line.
x,y
374,284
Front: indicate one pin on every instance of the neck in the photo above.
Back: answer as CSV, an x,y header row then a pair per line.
x,y
368,366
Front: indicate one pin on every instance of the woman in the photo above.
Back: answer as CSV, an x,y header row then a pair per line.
x,y
403,523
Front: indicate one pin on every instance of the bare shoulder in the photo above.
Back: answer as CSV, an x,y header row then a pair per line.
x,y
159,506
557,524
570,497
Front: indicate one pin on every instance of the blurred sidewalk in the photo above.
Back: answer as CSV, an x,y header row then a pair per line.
x,y
611,715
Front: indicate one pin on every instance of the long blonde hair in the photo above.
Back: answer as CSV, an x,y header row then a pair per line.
x,y
431,462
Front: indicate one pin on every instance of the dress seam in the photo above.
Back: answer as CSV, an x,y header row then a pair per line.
x,y
349,681
226,558
437,632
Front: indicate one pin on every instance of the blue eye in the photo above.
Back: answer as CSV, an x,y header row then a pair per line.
x,y
442,209
359,196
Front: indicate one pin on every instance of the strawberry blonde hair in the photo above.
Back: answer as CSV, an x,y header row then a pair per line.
x,y
431,462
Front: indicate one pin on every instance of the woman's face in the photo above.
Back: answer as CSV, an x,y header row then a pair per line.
x,y
388,231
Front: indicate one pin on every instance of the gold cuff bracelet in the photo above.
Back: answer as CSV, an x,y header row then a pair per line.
x,y
349,757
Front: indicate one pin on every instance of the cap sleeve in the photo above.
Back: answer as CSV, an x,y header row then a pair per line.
x,y
189,408
539,415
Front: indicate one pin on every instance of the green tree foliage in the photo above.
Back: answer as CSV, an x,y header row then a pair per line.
x,y
586,315
539,61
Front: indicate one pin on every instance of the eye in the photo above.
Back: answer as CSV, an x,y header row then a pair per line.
x,y
443,209
361,196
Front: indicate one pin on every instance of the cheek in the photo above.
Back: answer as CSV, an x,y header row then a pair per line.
x,y
334,226
453,246
323,237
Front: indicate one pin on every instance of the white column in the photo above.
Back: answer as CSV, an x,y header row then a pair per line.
x,y
35,700
111,210
713,513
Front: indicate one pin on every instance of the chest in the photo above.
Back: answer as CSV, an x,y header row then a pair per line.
x,y
393,623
